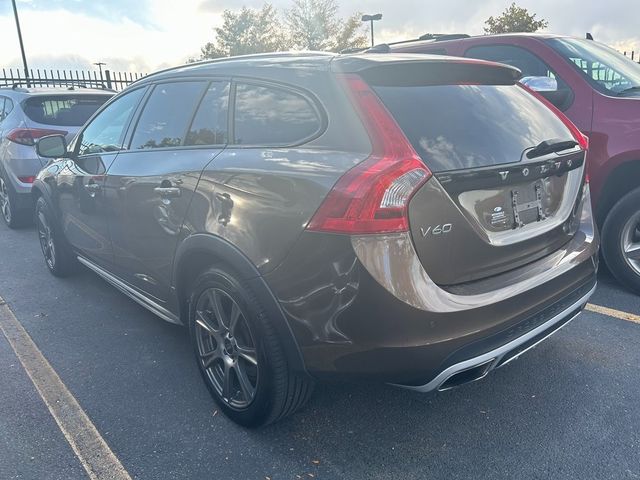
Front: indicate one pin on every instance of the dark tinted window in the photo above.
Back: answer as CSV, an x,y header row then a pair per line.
x,y
272,116
464,126
166,115
106,131
529,64
209,126
63,110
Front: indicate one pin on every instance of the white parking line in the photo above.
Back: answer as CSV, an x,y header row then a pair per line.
x,y
629,317
91,449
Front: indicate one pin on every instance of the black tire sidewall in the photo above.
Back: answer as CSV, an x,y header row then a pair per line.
x,y
64,261
612,230
261,406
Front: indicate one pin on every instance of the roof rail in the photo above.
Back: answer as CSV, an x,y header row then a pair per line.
x,y
442,37
250,56
70,84
386,47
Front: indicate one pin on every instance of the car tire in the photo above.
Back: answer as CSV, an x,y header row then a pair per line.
x,y
12,216
620,234
243,350
58,255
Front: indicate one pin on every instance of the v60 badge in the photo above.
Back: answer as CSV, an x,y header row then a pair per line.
x,y
436,230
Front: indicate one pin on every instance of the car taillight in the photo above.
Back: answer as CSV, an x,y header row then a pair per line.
x,y
374,195
30,179
28,136
581,138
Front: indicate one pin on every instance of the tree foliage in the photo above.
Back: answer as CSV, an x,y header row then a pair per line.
x,y
315,25
514,19
308,25
245,32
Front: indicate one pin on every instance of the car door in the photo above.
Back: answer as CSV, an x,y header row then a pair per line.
x,y
80,180
149,187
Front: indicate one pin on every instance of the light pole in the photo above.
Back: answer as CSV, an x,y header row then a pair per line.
x,y
100,64
372,18
24,57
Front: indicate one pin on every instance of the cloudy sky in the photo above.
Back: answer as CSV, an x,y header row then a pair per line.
x,y
144,35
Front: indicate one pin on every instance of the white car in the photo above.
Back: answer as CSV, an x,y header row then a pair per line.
x,y
26,114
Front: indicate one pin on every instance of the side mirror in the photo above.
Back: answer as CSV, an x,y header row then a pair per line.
x,y
540,84
52,146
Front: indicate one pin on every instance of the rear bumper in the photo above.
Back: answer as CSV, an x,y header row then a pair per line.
x,y
477,367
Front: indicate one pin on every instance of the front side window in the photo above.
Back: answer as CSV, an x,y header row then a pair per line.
x,y
607,70
166,115
273,116
106,131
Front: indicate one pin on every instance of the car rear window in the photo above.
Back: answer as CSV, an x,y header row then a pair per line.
x,y
455,127
63,110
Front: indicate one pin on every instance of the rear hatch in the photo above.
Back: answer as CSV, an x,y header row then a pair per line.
x,y
507,171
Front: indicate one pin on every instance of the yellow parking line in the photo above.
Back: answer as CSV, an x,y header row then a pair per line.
x,y
91,449
629,317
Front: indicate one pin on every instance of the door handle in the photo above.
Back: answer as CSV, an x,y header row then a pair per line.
x,y
168,192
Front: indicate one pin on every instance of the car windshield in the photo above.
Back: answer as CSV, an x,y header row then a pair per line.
x,y
606,69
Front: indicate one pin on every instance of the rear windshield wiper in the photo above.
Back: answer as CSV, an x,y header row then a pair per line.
x,y
635,88
551,146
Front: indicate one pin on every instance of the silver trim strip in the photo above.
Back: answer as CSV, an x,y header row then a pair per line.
x,y
138,297
497,354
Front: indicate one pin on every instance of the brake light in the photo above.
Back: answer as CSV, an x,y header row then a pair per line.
x,y
374,195
28,136
30,179
581,138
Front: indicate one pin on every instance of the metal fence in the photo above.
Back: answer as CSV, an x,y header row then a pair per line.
x,y
633,55
64,78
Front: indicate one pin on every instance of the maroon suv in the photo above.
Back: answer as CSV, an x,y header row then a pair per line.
x,y
599,90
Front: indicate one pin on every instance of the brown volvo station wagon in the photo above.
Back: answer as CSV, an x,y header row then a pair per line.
x,y
399,218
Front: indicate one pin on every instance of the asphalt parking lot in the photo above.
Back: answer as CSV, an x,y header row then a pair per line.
x,y
568,409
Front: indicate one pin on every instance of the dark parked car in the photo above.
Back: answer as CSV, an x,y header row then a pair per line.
x,y
400,218
599,90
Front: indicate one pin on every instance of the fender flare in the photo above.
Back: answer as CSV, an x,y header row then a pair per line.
x,y
221,248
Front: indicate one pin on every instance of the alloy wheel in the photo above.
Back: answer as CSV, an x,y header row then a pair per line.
x,y
226,348
630,242
5,205
46,240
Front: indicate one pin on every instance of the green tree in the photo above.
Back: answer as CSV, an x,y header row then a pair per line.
x,y
315,25
247,31
514,19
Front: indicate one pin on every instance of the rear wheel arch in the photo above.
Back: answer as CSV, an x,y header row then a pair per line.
x,y
199,252
620,181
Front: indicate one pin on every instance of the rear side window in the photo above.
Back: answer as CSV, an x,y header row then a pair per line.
x,y
456,127
6,105
528,63
63,110
209,126
167,114
273,116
